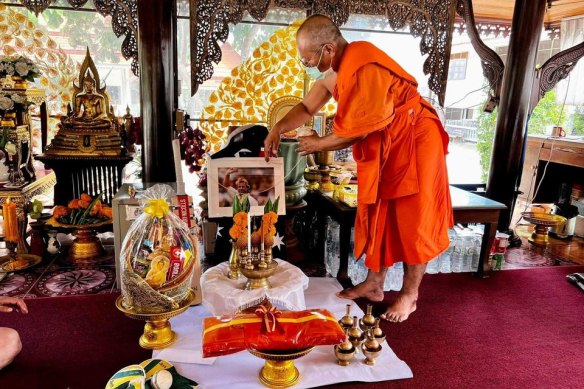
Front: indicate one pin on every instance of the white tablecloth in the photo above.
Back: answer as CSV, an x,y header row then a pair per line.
x,y
241,370
223,296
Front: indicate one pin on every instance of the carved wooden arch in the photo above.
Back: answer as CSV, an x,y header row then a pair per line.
x,y
553,71
491,63
124,15
432,20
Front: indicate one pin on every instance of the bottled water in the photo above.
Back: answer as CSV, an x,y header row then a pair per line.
x,y
468,249
357,270
332,248
387,281
397,276
433,266
446,257
476,252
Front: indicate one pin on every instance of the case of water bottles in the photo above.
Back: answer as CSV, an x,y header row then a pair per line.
x,y
462,255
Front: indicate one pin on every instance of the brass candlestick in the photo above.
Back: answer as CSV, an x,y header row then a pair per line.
x,y
371,349
346,321
378,332
356,336
368,321
257,267
345,351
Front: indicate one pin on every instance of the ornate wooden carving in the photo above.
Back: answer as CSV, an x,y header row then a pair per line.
x,y
432,20
124,15
491,63
554,70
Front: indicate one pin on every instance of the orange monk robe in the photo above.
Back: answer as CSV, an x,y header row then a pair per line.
x,y
404,209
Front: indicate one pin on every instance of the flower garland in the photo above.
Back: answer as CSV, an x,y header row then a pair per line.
x,y
19,66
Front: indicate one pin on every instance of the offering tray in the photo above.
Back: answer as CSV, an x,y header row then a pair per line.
x,y
86,246
542,222
158,333
279,370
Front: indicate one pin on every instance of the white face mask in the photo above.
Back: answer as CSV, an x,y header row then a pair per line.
x,y
313,71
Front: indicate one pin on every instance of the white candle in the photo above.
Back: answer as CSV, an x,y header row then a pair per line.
x,y
248,233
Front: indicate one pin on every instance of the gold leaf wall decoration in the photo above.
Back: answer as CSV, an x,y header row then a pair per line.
x,y
271,72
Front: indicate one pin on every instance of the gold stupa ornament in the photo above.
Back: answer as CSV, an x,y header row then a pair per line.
x,y
89,128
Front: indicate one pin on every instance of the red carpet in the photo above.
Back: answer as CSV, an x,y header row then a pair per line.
x,y
518,329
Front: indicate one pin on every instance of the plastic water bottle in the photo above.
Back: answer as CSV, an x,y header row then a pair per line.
x,y
433,266
476,252
387,281
359,271
456,258
446,256
468,249
397,276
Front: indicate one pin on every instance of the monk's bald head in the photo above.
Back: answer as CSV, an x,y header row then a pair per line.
x,y
316,31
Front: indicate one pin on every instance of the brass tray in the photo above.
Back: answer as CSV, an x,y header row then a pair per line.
x,y
21,262
55,223
543,219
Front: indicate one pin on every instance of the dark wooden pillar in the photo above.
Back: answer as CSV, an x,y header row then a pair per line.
x,y
514,106
158,87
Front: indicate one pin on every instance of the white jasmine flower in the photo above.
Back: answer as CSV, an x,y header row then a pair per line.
x,y
6,103
10,148
20,99
21,68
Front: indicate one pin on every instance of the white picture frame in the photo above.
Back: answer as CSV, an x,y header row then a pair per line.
x,y
265,182
319,123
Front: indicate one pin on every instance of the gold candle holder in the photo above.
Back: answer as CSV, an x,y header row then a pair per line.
x,y
356,336
257,271
346,321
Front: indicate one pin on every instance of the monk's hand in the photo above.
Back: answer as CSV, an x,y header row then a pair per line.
x,y
271,144
308,144
9,304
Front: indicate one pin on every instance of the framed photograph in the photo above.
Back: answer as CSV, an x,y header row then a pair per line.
x,y
319,123
253,178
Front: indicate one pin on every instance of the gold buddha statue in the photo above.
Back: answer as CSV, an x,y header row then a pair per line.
x,y
89,128
90,109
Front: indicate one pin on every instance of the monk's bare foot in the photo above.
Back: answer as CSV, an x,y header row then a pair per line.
x,y
368,290
401,308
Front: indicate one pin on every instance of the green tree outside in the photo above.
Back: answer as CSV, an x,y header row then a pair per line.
x,y
546,113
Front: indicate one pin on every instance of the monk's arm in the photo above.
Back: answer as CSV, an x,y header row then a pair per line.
x,y
331,142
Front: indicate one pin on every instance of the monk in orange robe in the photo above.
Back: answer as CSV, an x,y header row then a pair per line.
x,y
404,209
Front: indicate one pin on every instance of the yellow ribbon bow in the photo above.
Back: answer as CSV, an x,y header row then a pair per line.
x,y
269,315
157,208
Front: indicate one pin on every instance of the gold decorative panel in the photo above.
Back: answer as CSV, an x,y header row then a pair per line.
x,y
272,71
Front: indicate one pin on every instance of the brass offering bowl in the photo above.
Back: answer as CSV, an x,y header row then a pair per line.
x,y
158,333
279,370
86,247
542,222
257,277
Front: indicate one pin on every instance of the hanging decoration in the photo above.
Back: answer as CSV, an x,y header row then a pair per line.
x,y
124,15
431,20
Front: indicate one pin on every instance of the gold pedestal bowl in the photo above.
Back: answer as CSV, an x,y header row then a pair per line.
x,y
86,247
279,370
158,333
257,277
542,221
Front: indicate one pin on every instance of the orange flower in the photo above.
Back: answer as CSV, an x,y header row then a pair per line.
x,y
272,231
270,218
83,204
240,219
73,204
60,211
96,209
106,212
235,232
86,197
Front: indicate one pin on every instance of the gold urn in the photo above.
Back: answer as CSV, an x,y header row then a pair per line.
x,y
345,352
371,349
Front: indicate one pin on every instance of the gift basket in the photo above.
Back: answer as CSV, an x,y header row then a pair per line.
x,y
157,257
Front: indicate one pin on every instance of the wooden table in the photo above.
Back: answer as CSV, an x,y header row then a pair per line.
x,y
45,180
467,208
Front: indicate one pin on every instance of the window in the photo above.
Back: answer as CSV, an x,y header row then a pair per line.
x,y
457,68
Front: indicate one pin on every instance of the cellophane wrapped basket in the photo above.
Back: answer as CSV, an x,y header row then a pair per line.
x,y
157,256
